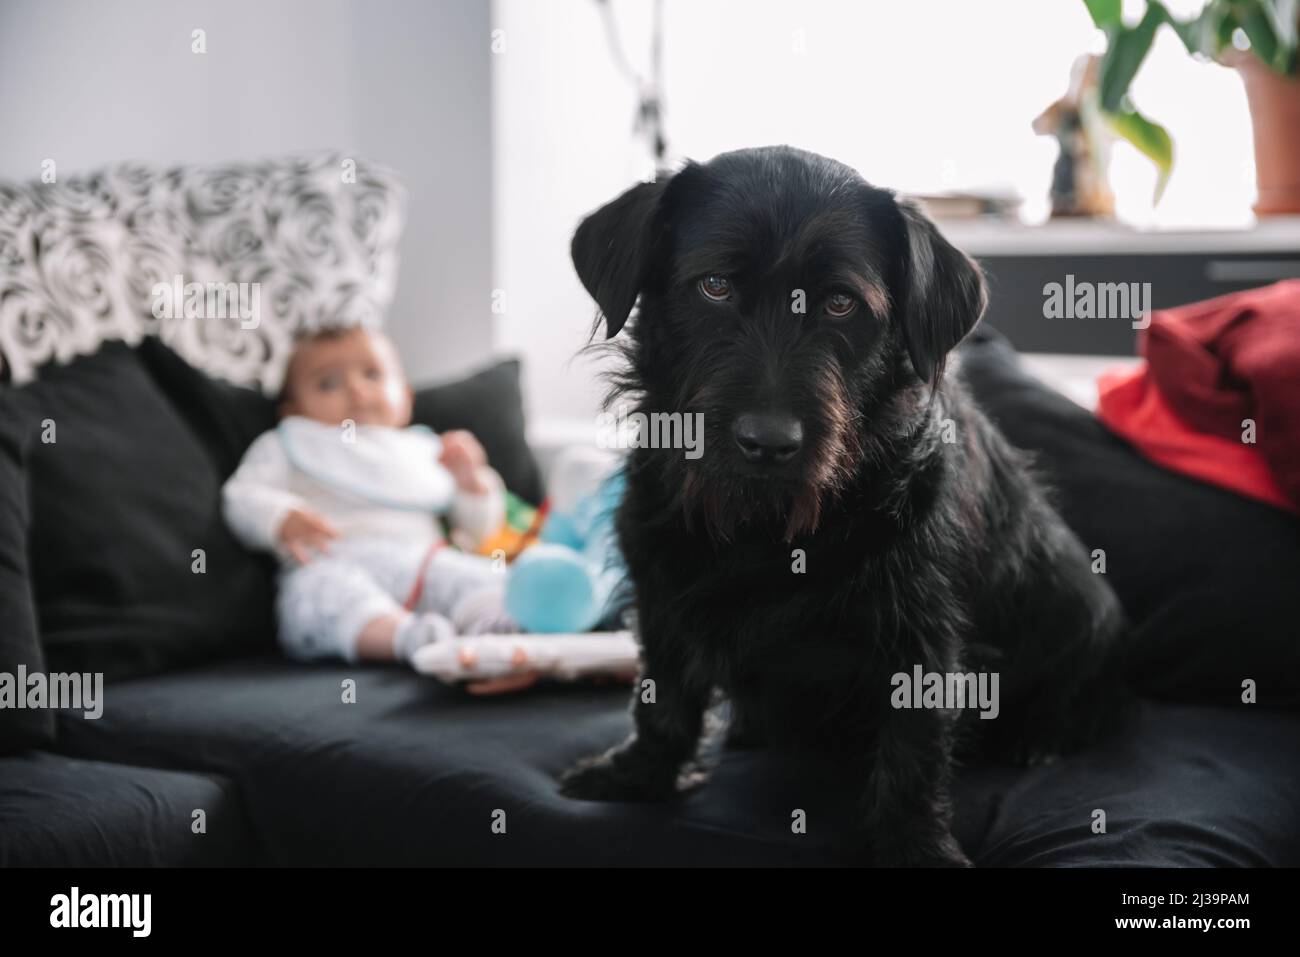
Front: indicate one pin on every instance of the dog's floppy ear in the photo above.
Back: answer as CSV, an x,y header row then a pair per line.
x,y
944,294
611,251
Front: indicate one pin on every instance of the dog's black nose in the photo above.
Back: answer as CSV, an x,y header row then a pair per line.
x,y
769,438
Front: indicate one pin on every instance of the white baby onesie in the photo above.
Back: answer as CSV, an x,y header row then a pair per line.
x,y
382,489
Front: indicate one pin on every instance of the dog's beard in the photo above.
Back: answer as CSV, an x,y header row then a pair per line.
x,y
722,503
721,506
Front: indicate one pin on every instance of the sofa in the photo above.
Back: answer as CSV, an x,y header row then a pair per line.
x,y
118,426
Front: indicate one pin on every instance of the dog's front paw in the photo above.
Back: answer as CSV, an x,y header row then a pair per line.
x,y
619,776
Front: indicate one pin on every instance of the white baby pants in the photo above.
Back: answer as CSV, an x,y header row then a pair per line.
x,y
324,605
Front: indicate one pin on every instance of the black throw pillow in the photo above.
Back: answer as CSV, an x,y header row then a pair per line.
x,y
1208,578
226,418
20,646
490,404
131,565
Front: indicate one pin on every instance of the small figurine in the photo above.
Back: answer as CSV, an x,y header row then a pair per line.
x,y
1079,183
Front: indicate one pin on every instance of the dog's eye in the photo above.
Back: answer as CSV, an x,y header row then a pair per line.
x,y
715,287
840,304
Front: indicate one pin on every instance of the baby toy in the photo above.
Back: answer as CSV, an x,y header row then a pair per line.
x,y
569,582
566,657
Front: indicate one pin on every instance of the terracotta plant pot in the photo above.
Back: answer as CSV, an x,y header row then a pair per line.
x,y
1275,117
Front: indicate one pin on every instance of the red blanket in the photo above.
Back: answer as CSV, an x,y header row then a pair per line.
x,y
1211,366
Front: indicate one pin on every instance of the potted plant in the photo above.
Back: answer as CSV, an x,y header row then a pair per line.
x,y
1258,39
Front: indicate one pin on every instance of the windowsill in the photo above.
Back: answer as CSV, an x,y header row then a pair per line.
x,y
1075,376
992,237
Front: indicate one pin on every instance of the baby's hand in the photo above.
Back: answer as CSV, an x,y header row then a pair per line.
x,y
462,456
304,530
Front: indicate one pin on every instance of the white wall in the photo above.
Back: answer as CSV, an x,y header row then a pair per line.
x,y
919,96
403,82
561,122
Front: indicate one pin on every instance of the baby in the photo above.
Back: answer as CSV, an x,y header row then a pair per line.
x,y
347,493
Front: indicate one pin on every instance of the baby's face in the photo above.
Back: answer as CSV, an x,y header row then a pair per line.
x,y
352,376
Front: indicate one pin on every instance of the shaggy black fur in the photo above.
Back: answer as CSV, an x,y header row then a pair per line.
x,y
925,539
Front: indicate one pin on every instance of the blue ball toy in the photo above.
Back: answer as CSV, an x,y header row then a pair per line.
x,y
567,582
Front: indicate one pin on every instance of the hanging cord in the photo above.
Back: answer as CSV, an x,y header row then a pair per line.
x,y
649,120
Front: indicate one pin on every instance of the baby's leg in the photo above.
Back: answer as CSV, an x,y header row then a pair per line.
x,y
333,608
468,589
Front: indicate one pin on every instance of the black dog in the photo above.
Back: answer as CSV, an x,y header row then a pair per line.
x,y
853,514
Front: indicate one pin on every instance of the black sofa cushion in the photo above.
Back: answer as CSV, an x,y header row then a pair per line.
x,y
488,403
119,504
1182,786
1208,578
413,772
20,646
57,811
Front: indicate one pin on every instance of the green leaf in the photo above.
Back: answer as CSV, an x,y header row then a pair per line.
x,y
1263,37
1219,30
1151,139
1190,31
1105,13
1286,21
1125,50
